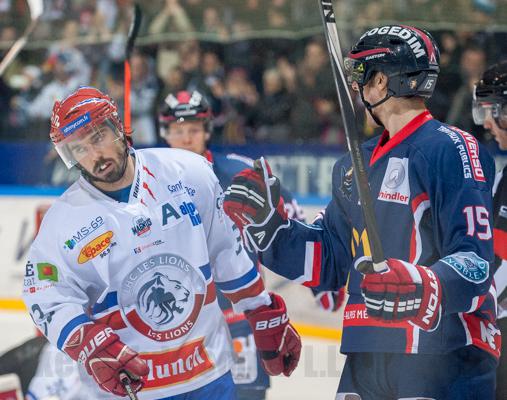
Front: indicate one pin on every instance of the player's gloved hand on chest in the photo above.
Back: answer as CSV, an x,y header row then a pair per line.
x,y
405,292
276,339
254,203
104,356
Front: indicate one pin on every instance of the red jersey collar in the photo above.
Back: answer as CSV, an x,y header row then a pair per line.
x,y
386,144
207,154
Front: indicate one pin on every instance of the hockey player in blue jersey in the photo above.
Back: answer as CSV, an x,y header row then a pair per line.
x,y
185,121
490,111
425,327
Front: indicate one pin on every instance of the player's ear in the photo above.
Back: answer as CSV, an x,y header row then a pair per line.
x,y
381,81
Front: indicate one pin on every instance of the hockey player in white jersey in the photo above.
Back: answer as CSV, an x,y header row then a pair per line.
x,y
122,274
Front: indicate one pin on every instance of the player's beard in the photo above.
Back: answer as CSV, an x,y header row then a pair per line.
x,y
117,170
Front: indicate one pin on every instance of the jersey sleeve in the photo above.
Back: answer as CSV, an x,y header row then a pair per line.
x,y
235,275
316,255
51,292
460,179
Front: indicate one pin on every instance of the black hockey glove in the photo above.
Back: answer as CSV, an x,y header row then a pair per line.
x,y
254,203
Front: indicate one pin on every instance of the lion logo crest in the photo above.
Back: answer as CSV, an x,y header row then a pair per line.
x,y
161,298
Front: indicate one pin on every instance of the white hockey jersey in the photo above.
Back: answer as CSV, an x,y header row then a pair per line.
x,y
147,268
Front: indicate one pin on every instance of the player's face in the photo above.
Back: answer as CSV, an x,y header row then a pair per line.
x,y
101,153
188,135
498,133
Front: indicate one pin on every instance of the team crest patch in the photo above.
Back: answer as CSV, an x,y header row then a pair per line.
x,y
469,265
162,297
346,183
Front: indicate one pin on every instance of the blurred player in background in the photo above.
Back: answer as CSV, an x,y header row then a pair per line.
x,y
425,326
122,274
185,121
490,111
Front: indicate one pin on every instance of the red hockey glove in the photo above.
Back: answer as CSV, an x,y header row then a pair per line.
x,y
330,300
254,203
276,339
405,292
105,356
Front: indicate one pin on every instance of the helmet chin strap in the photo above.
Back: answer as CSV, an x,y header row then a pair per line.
x,y
370,107
90,178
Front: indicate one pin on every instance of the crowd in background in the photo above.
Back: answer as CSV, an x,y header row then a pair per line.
x,y
262,90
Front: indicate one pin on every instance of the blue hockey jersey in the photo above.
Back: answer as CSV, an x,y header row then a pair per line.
x,y
247,370
431,186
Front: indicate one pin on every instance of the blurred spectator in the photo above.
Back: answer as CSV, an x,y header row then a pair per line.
x,y
143,96
66,69
271,115
27,84
212,23
472,65
314,77
172,18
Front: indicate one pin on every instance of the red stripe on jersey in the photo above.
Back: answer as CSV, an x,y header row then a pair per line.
x,y
317,265
211,293
148,172
356,315
500,243
481,334
145,185
251,291
410,339
386,144
231,317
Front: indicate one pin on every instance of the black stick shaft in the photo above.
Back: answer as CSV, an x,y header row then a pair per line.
x,y
351,132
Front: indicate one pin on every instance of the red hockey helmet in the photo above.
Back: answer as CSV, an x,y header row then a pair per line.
x,y
83,112
185,106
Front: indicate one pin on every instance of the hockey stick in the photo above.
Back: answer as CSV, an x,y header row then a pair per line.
x,y
351,132
35,7
125,380
131,38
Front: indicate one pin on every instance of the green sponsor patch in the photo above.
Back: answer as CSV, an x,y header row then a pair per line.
x,y
47,272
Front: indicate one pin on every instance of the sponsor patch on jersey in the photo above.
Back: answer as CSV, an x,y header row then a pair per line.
x,y
162,297
141,226
469,265
395,185
468,149
502,212
101,245
140,249
83,232
176,366
47,272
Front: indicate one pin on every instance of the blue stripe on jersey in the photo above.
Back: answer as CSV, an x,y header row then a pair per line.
x,y
111,300
239,282
206,271
68,328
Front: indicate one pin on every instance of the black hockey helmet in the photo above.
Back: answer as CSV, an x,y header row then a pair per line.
x,y
184,106
490,95
408,56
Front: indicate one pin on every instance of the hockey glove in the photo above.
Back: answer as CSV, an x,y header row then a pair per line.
x,y
405,292
254,203
277,341
104,356
330,300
